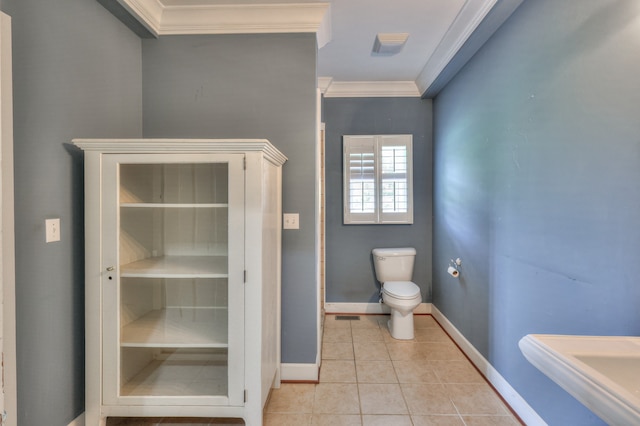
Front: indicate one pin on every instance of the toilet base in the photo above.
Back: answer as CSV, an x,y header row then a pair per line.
x,y
401,326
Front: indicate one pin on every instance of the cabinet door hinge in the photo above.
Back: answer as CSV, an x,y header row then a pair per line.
x,y
245,276
244,163
245,395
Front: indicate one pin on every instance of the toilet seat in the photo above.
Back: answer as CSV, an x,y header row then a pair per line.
x,y
403,290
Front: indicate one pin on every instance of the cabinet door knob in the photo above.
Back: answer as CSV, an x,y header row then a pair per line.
x,y
109,268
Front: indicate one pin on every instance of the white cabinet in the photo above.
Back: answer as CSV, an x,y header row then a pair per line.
x,y
182,277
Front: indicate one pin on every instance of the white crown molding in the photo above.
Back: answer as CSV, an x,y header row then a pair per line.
x,y
369,89
324,83
148,12
231,18
470,16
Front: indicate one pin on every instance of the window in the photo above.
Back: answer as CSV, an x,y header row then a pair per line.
x,y
377,179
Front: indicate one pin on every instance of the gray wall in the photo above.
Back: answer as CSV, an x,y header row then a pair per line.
x,y
350,277
77,73
250,86
537,165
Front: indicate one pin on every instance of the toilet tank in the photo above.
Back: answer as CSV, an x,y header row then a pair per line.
x,y
394,264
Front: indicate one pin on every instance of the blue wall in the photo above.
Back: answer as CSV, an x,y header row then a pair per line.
x,y
537,188
350,277
250,86
76,73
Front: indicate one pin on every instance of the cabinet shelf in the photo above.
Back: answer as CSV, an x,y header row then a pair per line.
x,y
177,267
178,328
178,376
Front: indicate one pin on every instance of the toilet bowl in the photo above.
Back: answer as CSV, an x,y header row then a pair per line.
x,y
402,297
394,268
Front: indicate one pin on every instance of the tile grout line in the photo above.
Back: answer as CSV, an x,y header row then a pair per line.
x,y
387,343
353,350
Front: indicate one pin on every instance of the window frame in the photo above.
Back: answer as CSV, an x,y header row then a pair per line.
x,y
371,146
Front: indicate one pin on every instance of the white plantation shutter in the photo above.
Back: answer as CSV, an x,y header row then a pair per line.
x,y
395,156
360,192
378,179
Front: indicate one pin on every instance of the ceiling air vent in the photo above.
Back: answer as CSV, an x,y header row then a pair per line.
x,y
387,44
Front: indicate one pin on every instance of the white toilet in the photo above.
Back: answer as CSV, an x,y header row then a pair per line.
x,y
394,270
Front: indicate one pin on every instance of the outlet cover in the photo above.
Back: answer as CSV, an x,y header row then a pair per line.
x,y
291,221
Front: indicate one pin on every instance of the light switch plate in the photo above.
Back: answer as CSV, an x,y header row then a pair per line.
x,y
52,232
291,221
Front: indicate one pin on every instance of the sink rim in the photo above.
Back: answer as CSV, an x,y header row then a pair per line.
x,y
556,356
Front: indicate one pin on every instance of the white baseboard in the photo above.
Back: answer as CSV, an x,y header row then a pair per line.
x,y
513,398
78,421
368,308
299,372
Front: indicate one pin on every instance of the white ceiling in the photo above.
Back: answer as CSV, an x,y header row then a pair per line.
x,y
355,23
346,32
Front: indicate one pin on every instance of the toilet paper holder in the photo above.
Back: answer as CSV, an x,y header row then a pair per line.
x,y
453,267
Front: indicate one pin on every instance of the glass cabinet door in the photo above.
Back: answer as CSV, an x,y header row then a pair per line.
x,y
173,285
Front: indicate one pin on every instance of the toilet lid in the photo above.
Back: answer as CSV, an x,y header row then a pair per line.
x,y
401,289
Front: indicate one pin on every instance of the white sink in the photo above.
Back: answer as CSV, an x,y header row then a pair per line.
x,y
602,372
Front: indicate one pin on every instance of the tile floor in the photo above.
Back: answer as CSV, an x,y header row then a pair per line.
x,y
369,379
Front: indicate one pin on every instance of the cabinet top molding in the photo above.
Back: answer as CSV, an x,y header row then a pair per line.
x,y
150,145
